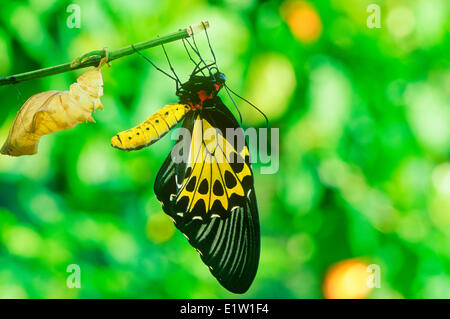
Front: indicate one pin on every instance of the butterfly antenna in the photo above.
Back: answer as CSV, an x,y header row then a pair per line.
x,y
170,66
209,44
232,100
197,65
153,64
190,57
256,108
192,47
198,53
202,68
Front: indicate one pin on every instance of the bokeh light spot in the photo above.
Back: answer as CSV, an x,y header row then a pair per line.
x,y
272,85
400,21
97,164
159,228
413,227
22,241
428,114
347,280
301,247
303,20
441,178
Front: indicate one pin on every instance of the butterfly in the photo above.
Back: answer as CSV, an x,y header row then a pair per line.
x,y
207,188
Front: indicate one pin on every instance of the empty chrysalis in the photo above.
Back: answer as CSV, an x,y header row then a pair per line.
x,y
52,111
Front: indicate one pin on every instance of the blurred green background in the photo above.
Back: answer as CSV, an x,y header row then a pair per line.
x,y
364,173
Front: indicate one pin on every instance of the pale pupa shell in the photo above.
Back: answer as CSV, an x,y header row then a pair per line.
x,y
52,111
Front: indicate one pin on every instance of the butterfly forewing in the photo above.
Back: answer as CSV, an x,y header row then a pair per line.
x,y
211,197
215,174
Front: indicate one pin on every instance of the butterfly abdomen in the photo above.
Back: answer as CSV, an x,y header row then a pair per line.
x,y
152,129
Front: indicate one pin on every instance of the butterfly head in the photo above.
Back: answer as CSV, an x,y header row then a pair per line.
x,y
200,89
220,78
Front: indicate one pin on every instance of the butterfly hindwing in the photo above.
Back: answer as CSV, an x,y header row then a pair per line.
x,y
211,198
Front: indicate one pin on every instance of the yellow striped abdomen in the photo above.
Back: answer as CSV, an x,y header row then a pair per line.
x,y
152,129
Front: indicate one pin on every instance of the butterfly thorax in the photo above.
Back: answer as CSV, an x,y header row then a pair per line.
x,y
200,89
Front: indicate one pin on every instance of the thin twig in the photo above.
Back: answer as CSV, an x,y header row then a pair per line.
x,y
93,58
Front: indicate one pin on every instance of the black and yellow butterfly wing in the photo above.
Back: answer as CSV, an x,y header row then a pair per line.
x,y
211,198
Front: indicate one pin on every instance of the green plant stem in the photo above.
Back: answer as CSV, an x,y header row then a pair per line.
x,y
93,58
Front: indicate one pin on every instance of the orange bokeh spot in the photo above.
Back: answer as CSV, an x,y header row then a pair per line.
x,y
303,20
347,280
